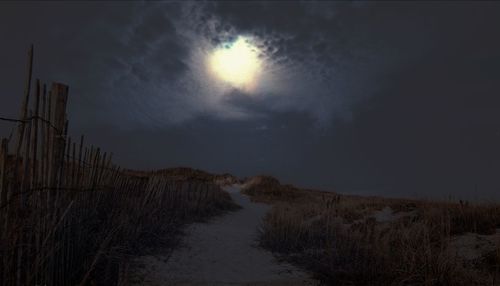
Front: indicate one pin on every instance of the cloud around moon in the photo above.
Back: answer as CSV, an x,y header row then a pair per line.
x,y
288,74
146,66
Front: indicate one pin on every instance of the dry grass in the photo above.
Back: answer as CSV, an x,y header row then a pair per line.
x,y
335,237
84,233
190,174
268,189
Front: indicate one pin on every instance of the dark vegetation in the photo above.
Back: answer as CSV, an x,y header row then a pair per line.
x,y
338,239
69,216
186,174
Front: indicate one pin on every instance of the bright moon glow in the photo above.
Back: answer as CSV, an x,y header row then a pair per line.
x,y
237,63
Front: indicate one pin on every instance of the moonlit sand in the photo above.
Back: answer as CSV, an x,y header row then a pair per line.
x,y
223,252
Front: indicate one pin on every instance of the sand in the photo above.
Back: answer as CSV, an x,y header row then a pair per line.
x,y
223,251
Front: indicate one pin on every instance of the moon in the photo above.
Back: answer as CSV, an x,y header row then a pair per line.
x,y
236,63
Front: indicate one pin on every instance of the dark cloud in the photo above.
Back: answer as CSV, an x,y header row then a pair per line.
x,y
395,98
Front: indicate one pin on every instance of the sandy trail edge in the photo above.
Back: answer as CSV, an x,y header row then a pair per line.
x,y
223,251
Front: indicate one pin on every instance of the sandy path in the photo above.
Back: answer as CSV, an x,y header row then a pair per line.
x,y
223,252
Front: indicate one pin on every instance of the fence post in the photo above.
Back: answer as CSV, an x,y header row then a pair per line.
x,y
3,171
26,177
58,99
24,105
34,145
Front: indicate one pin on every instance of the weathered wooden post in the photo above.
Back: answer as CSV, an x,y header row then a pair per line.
x,y
24,105
34,144
4,196
58,99
3,171
22,123
25,181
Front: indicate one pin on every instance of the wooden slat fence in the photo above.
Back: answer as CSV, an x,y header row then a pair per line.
x,y
66,210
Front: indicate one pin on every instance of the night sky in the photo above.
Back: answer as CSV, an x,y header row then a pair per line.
x,y
387,98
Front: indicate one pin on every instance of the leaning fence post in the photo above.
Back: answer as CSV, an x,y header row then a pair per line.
x,y
22,123
24,105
